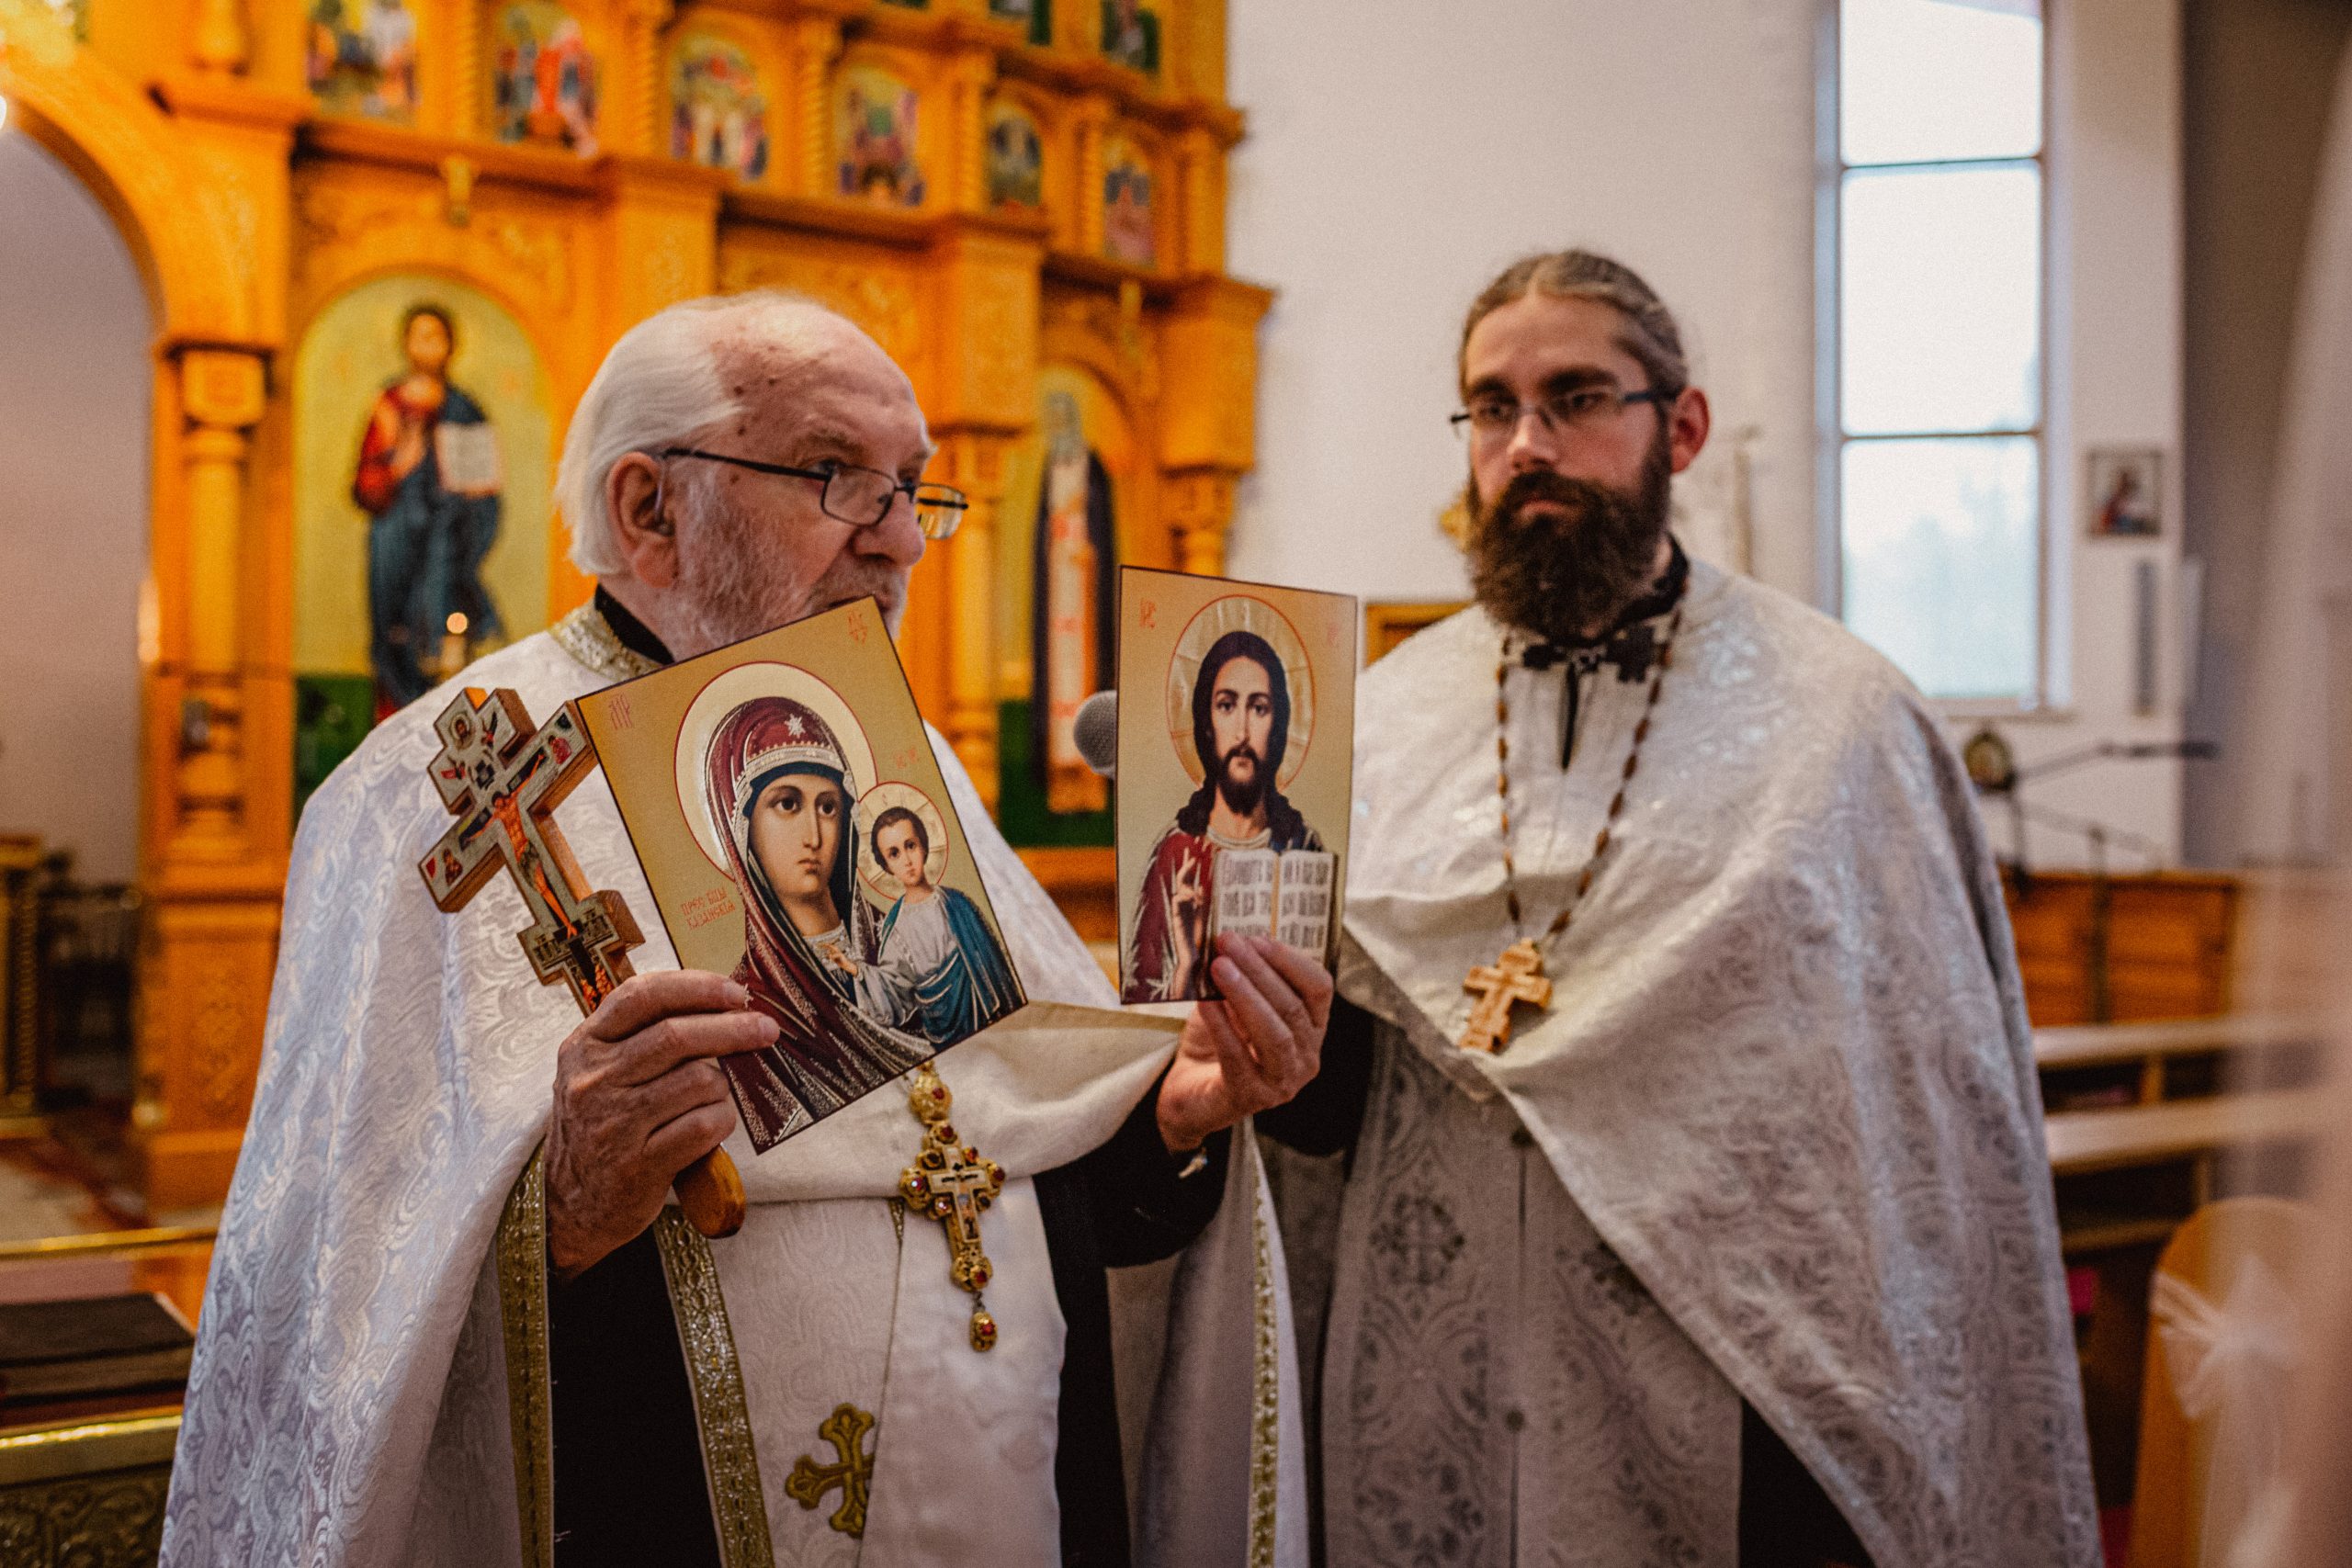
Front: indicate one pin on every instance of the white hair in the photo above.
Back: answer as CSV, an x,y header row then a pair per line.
x,y
660,387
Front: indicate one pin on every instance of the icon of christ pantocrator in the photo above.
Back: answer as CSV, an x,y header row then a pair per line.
x,y
1241,714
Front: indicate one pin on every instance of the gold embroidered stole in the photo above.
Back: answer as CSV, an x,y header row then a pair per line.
x,y
739,1510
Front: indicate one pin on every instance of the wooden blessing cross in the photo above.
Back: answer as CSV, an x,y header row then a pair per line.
x,y
503,779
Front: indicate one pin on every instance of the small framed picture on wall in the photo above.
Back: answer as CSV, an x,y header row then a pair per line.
x,y
2124,493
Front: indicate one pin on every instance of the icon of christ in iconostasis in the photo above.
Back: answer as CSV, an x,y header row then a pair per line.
x,y
429,478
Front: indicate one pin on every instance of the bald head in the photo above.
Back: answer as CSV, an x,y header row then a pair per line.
x,y
706,548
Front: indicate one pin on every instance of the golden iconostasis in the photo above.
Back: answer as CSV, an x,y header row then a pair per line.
x,y
350,211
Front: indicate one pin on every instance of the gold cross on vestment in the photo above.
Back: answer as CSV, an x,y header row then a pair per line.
x,y
503,779
951,1183
845,1428
1517,975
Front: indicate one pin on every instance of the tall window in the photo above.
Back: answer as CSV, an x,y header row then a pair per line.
x,y
1935,408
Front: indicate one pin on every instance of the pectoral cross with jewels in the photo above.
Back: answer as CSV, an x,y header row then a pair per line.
x,y
1515,976
951,1183
503,778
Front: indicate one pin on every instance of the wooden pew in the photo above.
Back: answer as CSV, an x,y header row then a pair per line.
x,y
2084,1141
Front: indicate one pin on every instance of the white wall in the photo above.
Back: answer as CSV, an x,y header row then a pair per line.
x,y
1401,152
74,459
2115,380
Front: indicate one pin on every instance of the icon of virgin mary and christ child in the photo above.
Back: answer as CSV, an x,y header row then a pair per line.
x,y
859,998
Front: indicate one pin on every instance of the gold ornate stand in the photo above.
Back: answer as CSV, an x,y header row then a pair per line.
x,y
86,1493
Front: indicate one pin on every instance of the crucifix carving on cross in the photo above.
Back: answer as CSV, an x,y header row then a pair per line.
x,y
503,778
1517,975
845,1428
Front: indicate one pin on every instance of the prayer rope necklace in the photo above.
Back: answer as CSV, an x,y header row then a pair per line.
x,y
1517,973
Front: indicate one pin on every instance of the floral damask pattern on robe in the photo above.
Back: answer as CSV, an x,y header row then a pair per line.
x,y
1500,1375
1410,1435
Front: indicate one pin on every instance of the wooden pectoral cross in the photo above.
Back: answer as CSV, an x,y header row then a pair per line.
x,y
951,1183
503,778
1515,976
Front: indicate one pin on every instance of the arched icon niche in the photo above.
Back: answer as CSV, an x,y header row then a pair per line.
x,y
422,444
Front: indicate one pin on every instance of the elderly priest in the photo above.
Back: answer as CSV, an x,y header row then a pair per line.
x,y
426,1341
1698,1210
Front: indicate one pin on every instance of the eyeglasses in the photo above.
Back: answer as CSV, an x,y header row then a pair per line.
x,y
1489,419
858,496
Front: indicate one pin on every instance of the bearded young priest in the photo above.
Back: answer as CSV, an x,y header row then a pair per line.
x,y
409,1356
1697,1208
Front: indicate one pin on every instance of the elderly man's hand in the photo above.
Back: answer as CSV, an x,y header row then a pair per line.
x,y
1253,1051
638,1099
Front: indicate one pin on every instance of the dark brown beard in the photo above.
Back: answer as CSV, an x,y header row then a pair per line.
x,y
1241,798
1566,579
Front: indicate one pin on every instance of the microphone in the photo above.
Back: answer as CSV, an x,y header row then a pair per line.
x,y
1096,730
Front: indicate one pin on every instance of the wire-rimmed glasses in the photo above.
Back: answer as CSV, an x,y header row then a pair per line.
x,y
1494,417
861,497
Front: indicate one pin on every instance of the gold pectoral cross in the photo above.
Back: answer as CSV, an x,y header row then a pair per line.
x,y
1516,975
951,1183
845,1428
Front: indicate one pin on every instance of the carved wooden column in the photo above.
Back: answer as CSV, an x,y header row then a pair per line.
x,y
1200,208
973,461
816,42
213,910
1198,505
217,750
467,110
1209,364
1093,120
221,397
970,72
979,407
636,128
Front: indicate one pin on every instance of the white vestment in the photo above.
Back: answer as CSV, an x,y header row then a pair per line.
x,y
349,1402
1778,1134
